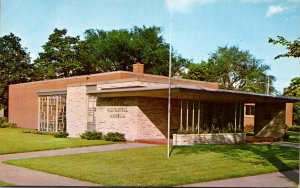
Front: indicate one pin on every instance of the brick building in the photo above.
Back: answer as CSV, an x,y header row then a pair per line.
x,y
135,103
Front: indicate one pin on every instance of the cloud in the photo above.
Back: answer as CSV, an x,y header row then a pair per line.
x,y
275,10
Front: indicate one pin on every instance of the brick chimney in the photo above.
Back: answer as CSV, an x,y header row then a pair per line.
x,y
138,67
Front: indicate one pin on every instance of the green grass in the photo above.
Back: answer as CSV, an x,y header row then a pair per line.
x,y
13,140
149,166
5,184
294,136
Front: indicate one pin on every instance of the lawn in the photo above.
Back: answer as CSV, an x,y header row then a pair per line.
x,y
149,166
294,136
5,184
13,140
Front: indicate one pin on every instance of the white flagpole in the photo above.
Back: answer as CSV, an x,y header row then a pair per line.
x,y
170,67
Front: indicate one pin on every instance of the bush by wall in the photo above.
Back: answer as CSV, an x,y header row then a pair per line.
x,y
39,132
4,123
115,137
295,128
61,134
91,135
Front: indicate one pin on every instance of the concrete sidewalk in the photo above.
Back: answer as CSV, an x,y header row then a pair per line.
x,y
68,151
277,179
27,177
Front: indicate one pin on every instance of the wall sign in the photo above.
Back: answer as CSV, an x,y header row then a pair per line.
x,y
117,112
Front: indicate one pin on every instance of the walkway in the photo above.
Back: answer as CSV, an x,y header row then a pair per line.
x,y
277,179
27,177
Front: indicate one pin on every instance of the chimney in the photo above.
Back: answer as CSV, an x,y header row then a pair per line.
x,y
138,67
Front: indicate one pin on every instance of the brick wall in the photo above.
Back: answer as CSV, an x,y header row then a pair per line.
x,y
289,114
23,98
137,118
269,120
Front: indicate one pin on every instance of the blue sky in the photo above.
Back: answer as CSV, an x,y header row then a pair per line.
x,y
198,26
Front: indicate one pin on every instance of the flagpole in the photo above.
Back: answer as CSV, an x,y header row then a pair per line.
x,y
170,67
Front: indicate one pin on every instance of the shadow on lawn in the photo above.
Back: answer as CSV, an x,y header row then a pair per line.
x,y
268,152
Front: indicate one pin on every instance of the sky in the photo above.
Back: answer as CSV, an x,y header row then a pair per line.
x,y
199,27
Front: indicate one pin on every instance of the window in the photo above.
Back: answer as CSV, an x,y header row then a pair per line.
x,y
52,113
249,110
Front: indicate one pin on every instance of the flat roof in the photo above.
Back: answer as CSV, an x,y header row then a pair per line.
x,y
146,77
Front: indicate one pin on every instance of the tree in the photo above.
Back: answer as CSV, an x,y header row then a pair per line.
x,y
199,72
60,56
292,47
293,90
15,66
234,69
103,51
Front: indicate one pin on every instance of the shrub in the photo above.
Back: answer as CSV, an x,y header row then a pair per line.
x,y
295,128
4,123
285,137
39,132
249,133
61,134
91,135
115,137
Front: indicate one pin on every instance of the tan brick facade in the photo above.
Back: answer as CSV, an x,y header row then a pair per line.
x,y
140,118
77,110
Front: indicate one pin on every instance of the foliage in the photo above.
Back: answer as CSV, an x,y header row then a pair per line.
x,y
285,137
104,51
34,131
294,136
249,133
61,134
234,69
187,164
115,137
60,56
15,141
295,128
210,130
293,90
4,123
293,48
91,135
200,72
15,66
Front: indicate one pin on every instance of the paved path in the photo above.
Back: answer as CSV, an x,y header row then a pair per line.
x,y
27,177
277,179
287,144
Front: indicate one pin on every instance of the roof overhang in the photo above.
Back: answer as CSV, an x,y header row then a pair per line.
x,y
52,92
183,92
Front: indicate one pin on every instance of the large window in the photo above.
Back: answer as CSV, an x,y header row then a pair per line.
x,y
52,113
249,109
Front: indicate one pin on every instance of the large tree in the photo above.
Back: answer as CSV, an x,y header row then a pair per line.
x,y
293,90
15,66
60,56
234,69
293,47
103,51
